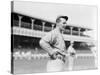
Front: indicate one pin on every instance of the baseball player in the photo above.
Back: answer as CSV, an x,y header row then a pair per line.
x,y
72,54
54,44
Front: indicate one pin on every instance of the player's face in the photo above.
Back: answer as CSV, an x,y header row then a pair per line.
x,y
62,24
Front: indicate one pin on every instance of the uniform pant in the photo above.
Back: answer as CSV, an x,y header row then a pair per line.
x,y
55,65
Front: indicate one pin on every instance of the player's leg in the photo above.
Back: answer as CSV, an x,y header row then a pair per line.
x,y
70,63
55,65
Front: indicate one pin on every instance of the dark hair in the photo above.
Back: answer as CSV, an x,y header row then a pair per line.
x,y
58,18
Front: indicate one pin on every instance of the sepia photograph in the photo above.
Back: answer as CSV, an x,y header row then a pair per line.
x,y
53,37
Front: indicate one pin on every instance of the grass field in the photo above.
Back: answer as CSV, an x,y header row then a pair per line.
x,y
24,66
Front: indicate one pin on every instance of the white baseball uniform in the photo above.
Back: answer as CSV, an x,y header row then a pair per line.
x,y
54,41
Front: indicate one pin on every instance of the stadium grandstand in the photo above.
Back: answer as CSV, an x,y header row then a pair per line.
x,y
26,31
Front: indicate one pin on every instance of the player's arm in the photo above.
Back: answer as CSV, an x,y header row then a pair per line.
x,y
46,42
46,46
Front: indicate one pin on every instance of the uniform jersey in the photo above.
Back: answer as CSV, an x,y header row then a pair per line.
x,y
55,39
71,50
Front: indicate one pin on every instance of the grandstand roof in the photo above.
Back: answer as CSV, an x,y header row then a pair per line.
x,y
80,15
70,25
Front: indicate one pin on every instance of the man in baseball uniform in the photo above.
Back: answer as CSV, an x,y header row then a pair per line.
x,y
53,43
72,54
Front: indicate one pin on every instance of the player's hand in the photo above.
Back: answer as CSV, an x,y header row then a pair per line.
x,y
61,55
53,54
57,54
73,54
